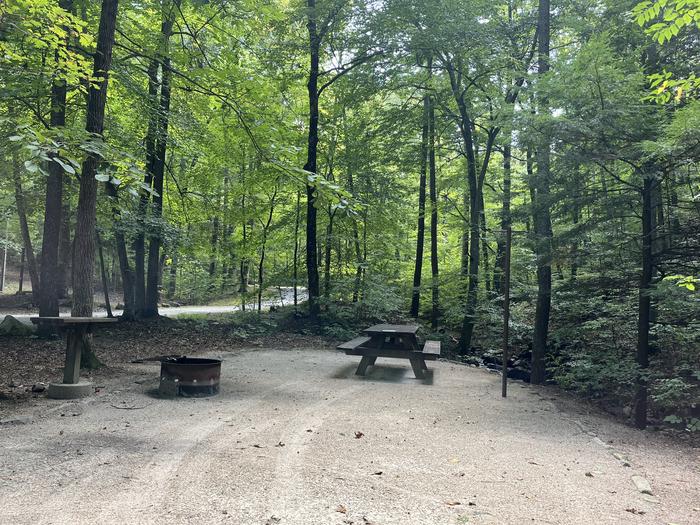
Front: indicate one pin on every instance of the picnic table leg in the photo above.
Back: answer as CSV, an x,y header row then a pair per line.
x,y
418,367
364,363
71,370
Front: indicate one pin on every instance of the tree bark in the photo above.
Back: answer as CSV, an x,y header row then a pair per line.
x,y
311,161
84,260
161,146
127,274
499,269
65,249
420,238
151,154
49,272
640,409
434,264
32,265
542,221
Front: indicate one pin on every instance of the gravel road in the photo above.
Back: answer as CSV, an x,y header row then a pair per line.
x,y
296,438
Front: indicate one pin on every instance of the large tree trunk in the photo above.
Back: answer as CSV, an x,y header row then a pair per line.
x,y
84,260
420,239
24,229
49,277
541,215
311,161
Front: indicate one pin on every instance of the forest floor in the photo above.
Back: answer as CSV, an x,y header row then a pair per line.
x,y
295,437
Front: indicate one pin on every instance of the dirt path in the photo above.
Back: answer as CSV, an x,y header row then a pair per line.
x,y
279,445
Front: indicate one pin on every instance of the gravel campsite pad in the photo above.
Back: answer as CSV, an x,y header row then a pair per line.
x,y
295,437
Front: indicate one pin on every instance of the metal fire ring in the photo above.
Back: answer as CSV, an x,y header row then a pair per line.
x,y
189,377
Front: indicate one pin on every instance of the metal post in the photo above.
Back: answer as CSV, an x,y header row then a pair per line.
x,y
506,315
4,258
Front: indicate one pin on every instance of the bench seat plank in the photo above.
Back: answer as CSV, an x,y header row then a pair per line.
x,y
354,343
431,348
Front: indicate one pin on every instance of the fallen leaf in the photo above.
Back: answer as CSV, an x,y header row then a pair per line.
x,y
358,434
341,509
452,503
280,444
589,474
635,511
378,473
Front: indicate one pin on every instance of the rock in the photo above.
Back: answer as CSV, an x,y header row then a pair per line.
x,y
642,485
17,420
650,499
519,373
38,387
11,326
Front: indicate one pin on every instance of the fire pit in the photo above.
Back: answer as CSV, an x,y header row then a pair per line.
x,y
189,377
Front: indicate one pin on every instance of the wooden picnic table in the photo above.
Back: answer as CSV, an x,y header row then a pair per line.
x,y
76,330
392,341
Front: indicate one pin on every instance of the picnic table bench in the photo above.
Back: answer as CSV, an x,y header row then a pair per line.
x,y
76,330
393,341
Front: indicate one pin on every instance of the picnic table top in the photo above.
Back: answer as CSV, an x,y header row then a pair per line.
x,y
401,329
73,320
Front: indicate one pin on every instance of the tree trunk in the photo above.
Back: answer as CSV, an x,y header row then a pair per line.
x,y
160,150
474,215
311,161
65,249
151,156
84,260
542,221
21,271
499,269
434,264
49,277
420,239
295,272
32,265
127,274
640,409
103,274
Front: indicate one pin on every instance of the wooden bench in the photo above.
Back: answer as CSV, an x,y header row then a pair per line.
x,y
392,341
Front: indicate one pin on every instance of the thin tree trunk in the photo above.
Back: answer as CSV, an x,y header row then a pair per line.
x,y
65,249
311,161
151,155
32,265
21,271
84,260
434,264
541,215
154,266
261,265
103,274
474,215
640,410
295,277
420,238
127,274
499,269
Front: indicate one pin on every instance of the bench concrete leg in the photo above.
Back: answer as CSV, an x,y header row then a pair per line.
x,y
364,363
71,369
418,366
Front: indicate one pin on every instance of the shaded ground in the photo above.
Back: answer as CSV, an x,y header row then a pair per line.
x,y
296,438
